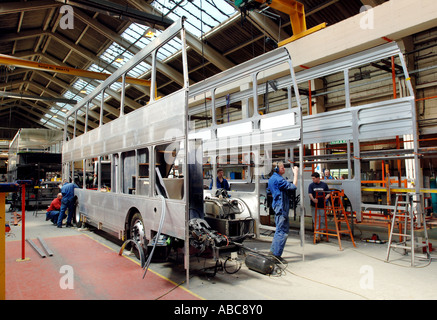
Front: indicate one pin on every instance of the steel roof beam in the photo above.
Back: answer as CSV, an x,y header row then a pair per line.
x,y
212,55
17,7
121,12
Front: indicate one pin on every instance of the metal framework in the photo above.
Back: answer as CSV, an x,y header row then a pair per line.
x,y
353,124
257,131
132,142
368,122
253,134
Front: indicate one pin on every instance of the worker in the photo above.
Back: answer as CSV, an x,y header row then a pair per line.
x,y
318,190
222,183
279,188
67,202
327,175
52,213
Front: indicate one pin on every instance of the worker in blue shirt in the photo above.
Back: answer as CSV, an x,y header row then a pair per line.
x,y
67,202
279,188
327,175
222,183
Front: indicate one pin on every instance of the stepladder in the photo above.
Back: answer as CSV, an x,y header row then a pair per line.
x,y
333,207
405,217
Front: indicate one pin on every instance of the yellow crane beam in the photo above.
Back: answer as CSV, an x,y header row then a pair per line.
x,y
293,8
12,61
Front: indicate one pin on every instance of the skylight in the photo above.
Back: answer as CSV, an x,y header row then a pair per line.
x,y
201,17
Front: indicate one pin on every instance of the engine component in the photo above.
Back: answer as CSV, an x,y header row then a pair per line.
x,y
259,263
202,236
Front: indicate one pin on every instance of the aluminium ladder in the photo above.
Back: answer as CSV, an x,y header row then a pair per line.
x,y
404,215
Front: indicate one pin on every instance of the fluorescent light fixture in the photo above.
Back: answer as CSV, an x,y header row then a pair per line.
x,y
280,121
235,129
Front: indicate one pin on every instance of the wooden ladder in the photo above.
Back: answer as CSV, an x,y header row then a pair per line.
x,y
337,209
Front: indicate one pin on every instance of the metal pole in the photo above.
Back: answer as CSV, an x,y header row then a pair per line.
x,y
23,219
301,163
186,145
23,224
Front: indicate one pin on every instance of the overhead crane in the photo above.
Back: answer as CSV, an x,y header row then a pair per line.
x,y
12,61
293,8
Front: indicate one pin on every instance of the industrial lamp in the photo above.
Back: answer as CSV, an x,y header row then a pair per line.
x,y
150,33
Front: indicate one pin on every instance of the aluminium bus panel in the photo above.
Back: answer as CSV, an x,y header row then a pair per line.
x,y
147,126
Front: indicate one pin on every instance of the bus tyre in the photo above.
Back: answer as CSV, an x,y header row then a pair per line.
x,y
77,220
136,231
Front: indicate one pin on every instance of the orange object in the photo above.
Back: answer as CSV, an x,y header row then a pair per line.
x,y
336,208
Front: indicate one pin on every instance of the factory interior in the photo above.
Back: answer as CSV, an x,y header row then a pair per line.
x,y
292,154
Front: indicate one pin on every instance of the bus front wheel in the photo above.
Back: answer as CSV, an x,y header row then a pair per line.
x,y
136,231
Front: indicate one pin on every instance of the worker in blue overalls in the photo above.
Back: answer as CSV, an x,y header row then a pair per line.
x,y
222,183
279,188
67,203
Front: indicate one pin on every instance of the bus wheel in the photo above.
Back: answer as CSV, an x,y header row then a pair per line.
x,y
136,231
76,217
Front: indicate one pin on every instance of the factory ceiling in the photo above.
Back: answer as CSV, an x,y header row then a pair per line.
x,y
93,35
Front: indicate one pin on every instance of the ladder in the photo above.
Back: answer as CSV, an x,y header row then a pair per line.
x,y
337,209
404,215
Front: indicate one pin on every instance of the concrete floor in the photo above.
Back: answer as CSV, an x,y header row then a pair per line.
x,y
314,271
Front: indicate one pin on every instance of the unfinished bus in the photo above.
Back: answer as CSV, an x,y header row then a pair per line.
x,y
148,162
133,169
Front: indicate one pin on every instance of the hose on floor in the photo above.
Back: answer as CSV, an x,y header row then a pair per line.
x,y
161,223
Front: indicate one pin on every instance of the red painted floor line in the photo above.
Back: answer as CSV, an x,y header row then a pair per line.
x,y
92,269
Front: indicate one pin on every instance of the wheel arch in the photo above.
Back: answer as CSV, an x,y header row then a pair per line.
x,y
130,214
